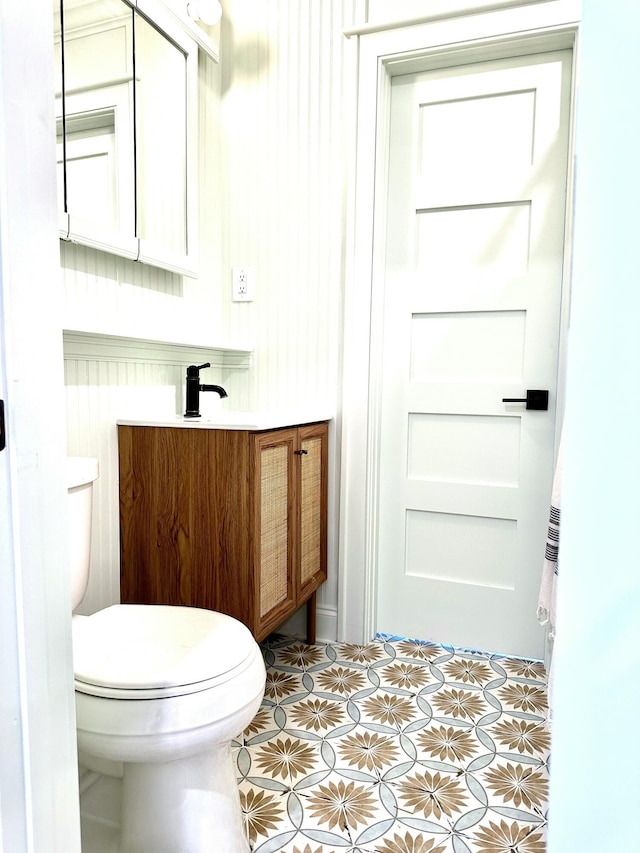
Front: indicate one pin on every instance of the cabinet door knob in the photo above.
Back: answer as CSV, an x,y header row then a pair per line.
x,y
301,452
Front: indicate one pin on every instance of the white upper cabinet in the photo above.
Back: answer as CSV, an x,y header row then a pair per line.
x,y
126,107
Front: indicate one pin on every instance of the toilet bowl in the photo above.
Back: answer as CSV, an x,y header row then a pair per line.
x,y
164,690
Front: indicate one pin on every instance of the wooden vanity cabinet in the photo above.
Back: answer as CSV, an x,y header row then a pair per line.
x,y
230,520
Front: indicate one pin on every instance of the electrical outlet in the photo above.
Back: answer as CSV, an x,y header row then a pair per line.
x,y
242,284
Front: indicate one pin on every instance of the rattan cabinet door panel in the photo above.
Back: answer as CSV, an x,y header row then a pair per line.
x,y
274,518
313,508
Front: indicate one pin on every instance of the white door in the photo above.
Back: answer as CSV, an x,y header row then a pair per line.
x,y
477,192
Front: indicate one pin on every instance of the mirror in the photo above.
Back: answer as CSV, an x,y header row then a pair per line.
x,y
126,131
161,139
95,124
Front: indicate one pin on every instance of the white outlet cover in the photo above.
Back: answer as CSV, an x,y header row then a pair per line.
x,y
242,278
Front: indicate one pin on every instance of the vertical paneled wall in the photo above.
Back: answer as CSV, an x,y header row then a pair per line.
x,y
285,90
273,144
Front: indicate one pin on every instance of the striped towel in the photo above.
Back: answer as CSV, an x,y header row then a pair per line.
x,y
547,595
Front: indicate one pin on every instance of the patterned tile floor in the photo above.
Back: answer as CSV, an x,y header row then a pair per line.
x,y
395,747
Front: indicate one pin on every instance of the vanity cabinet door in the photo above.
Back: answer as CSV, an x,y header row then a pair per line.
x,y
185,519
275,510
312,561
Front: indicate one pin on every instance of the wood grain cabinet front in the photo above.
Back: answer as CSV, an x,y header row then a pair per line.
x,y
230,520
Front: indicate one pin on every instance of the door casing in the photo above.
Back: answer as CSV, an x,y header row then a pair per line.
x,y
382,56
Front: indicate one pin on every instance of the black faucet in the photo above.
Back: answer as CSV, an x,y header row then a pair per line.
x,y
194,388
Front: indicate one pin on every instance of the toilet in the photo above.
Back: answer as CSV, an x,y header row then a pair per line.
x,y
163,690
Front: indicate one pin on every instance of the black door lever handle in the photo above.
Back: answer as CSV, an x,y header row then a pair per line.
x,y
536,399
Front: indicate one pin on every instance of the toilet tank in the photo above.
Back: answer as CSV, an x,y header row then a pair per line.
x,y
81,473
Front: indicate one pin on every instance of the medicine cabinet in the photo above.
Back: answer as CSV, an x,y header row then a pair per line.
x,y
126,109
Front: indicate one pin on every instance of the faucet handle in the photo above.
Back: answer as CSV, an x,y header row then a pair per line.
x,y
193,371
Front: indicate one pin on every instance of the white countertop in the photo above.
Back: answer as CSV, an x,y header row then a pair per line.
x,y
235,420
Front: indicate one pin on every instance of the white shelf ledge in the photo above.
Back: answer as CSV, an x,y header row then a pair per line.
x,y
103,347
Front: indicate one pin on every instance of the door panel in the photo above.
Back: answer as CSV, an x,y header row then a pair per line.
x,y
473,281
485,554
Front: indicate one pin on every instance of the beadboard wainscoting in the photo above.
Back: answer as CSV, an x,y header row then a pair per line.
x,y
108,378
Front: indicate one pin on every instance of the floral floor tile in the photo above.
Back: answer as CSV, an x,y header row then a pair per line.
x,y
396,746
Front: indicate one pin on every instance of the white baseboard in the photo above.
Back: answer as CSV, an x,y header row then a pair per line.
x,y
326,624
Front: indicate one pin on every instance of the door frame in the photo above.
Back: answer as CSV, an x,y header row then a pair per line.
x,y
382,56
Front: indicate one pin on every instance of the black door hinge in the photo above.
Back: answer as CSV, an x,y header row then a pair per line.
x,y
3,435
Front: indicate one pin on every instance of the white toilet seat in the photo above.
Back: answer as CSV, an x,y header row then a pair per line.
x,y
131,651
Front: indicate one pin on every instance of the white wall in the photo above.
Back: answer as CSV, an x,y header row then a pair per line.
x,y
38,770
285,92
595,788
377,12
273,119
